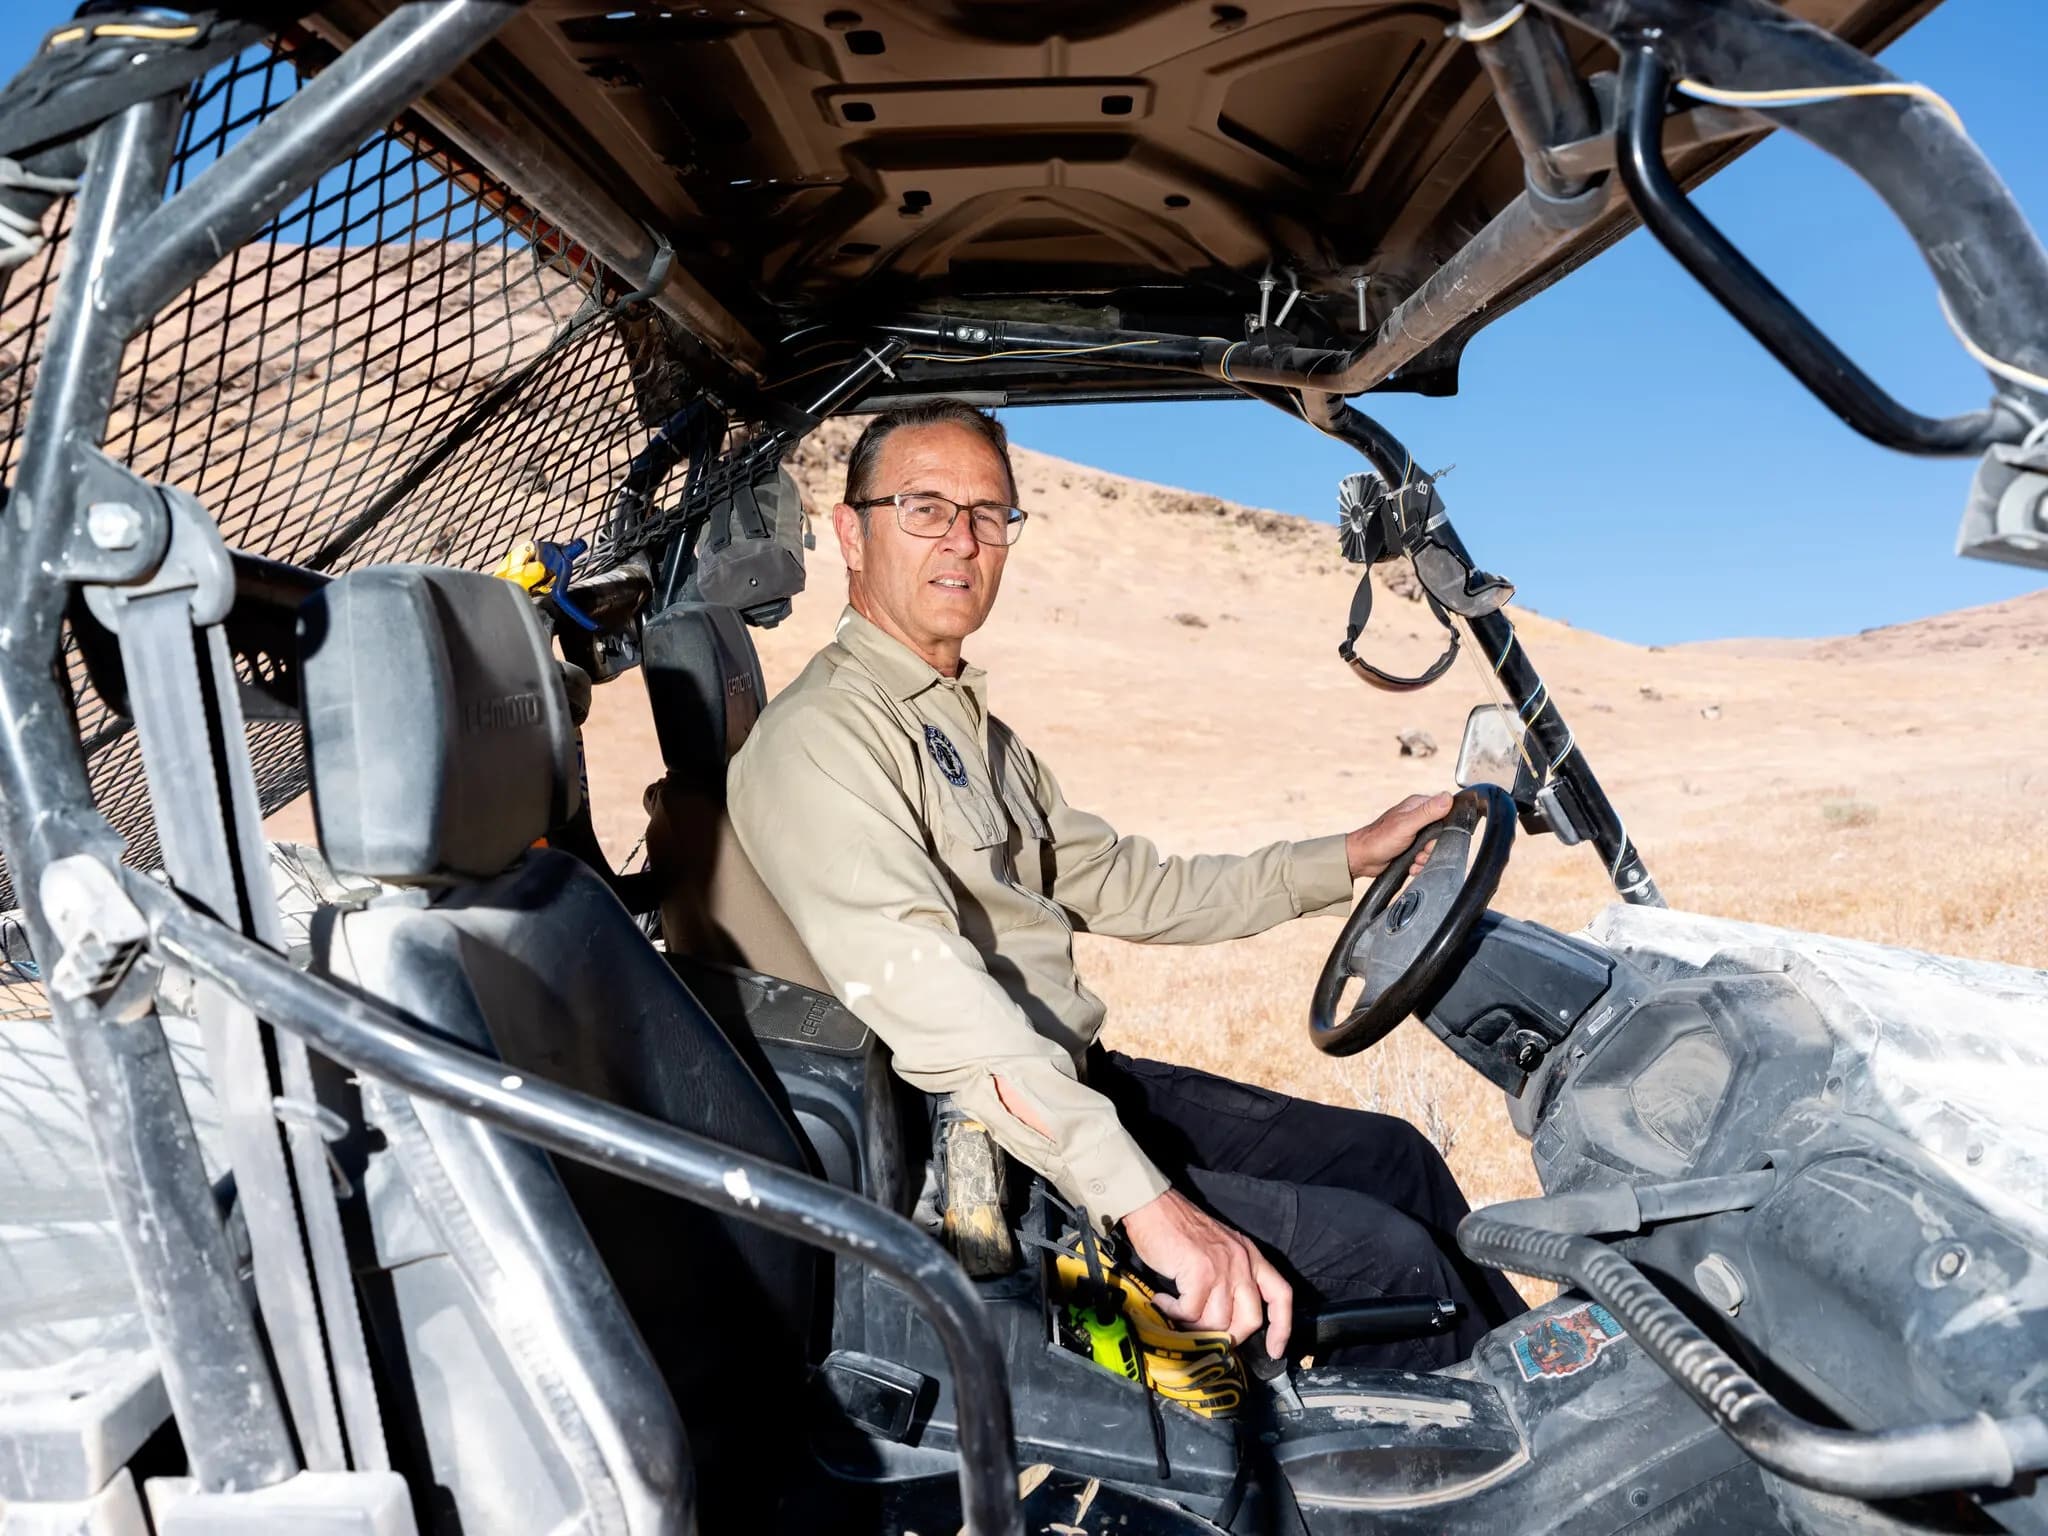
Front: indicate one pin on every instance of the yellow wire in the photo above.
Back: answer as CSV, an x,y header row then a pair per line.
x,y
131,29
1997,365
1466,33
1820,93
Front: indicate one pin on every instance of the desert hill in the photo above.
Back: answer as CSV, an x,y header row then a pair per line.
x,y
1172,656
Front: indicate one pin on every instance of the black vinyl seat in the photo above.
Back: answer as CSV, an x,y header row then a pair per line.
x,y
731,941
518,1300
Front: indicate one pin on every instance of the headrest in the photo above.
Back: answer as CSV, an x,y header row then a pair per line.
x,y
704,684
437,728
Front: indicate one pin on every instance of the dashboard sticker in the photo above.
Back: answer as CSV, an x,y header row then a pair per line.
x,y
1566,1343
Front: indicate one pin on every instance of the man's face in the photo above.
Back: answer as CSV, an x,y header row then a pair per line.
x,y
930,593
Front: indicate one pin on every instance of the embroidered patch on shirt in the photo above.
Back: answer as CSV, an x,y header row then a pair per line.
x,y
1567,1343
944,755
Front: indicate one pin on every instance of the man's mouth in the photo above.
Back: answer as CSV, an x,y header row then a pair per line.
x,y
951,583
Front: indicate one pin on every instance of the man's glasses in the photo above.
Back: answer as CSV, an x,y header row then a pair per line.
x,y
927,515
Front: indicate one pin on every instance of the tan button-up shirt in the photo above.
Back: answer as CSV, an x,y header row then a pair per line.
x,y
937,876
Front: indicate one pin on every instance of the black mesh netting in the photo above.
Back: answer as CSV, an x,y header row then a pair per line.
x,y
405,365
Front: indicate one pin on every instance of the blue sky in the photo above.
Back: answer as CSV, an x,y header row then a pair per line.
x,y
1630,457
1624,451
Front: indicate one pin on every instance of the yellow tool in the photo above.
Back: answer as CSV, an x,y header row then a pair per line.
x,y
1198,1369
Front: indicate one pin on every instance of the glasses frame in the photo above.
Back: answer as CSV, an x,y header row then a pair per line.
x,y
1014,517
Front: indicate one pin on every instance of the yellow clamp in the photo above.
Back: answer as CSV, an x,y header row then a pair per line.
x,y
522,564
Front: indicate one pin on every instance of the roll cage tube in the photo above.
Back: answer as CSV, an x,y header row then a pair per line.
x,y
1556,751
1992,272
1754,299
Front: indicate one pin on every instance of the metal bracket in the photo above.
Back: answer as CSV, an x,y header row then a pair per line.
x,y
120,528
2006,517
197,559
101,936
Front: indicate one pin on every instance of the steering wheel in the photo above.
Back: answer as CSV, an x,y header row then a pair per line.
x,y
1399,945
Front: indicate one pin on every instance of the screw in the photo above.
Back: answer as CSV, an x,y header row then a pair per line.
x,y
113,525
1950,1261
1358,287
1528,1056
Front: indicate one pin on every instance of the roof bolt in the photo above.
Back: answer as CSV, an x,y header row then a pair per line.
x,y
1266,286
1293,293
1358,287
1950,1261
113,525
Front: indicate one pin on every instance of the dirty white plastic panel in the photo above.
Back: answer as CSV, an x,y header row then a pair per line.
x,y
1950,1053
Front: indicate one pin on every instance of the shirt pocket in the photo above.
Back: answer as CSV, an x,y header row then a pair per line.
x,y
1034,837
973,819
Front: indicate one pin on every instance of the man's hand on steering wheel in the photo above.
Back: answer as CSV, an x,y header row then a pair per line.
x,y
1385,838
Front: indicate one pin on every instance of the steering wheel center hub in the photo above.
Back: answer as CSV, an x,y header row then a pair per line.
x,y
1403,910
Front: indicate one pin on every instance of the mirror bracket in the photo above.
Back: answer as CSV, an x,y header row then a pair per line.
x,y
1492,753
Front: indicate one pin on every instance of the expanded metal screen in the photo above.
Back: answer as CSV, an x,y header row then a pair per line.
x,y
405,365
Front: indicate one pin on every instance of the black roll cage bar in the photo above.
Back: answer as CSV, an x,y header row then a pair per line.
x,y
96,926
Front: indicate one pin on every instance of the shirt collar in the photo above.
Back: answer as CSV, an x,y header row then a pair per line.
x,y
898,668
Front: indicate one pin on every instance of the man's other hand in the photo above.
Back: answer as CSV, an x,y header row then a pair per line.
x,y
1220,1279
1378,843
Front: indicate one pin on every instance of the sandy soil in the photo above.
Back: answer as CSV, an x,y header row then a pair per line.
x,y
1172,656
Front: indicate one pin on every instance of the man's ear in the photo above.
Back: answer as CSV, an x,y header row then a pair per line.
x,y
852,537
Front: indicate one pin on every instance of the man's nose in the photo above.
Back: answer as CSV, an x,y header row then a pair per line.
x,y
959,539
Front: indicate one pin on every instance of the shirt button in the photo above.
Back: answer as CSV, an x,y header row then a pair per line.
x,y
1095,1186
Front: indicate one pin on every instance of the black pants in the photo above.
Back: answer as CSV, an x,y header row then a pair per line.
x,y
1349,1205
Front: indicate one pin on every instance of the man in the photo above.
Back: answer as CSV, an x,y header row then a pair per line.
x,y
937,876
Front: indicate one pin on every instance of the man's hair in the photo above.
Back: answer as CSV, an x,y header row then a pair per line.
x,y
867,449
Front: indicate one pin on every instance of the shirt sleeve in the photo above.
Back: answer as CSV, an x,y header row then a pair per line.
x,y
1121,887
821,810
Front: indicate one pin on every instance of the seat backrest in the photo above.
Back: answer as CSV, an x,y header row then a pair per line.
x,y
705,687
567,1310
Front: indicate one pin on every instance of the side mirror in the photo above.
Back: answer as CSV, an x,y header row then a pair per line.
x,y
1491,752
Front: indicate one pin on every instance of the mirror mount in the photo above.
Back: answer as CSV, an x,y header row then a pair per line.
x,y
1493,752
